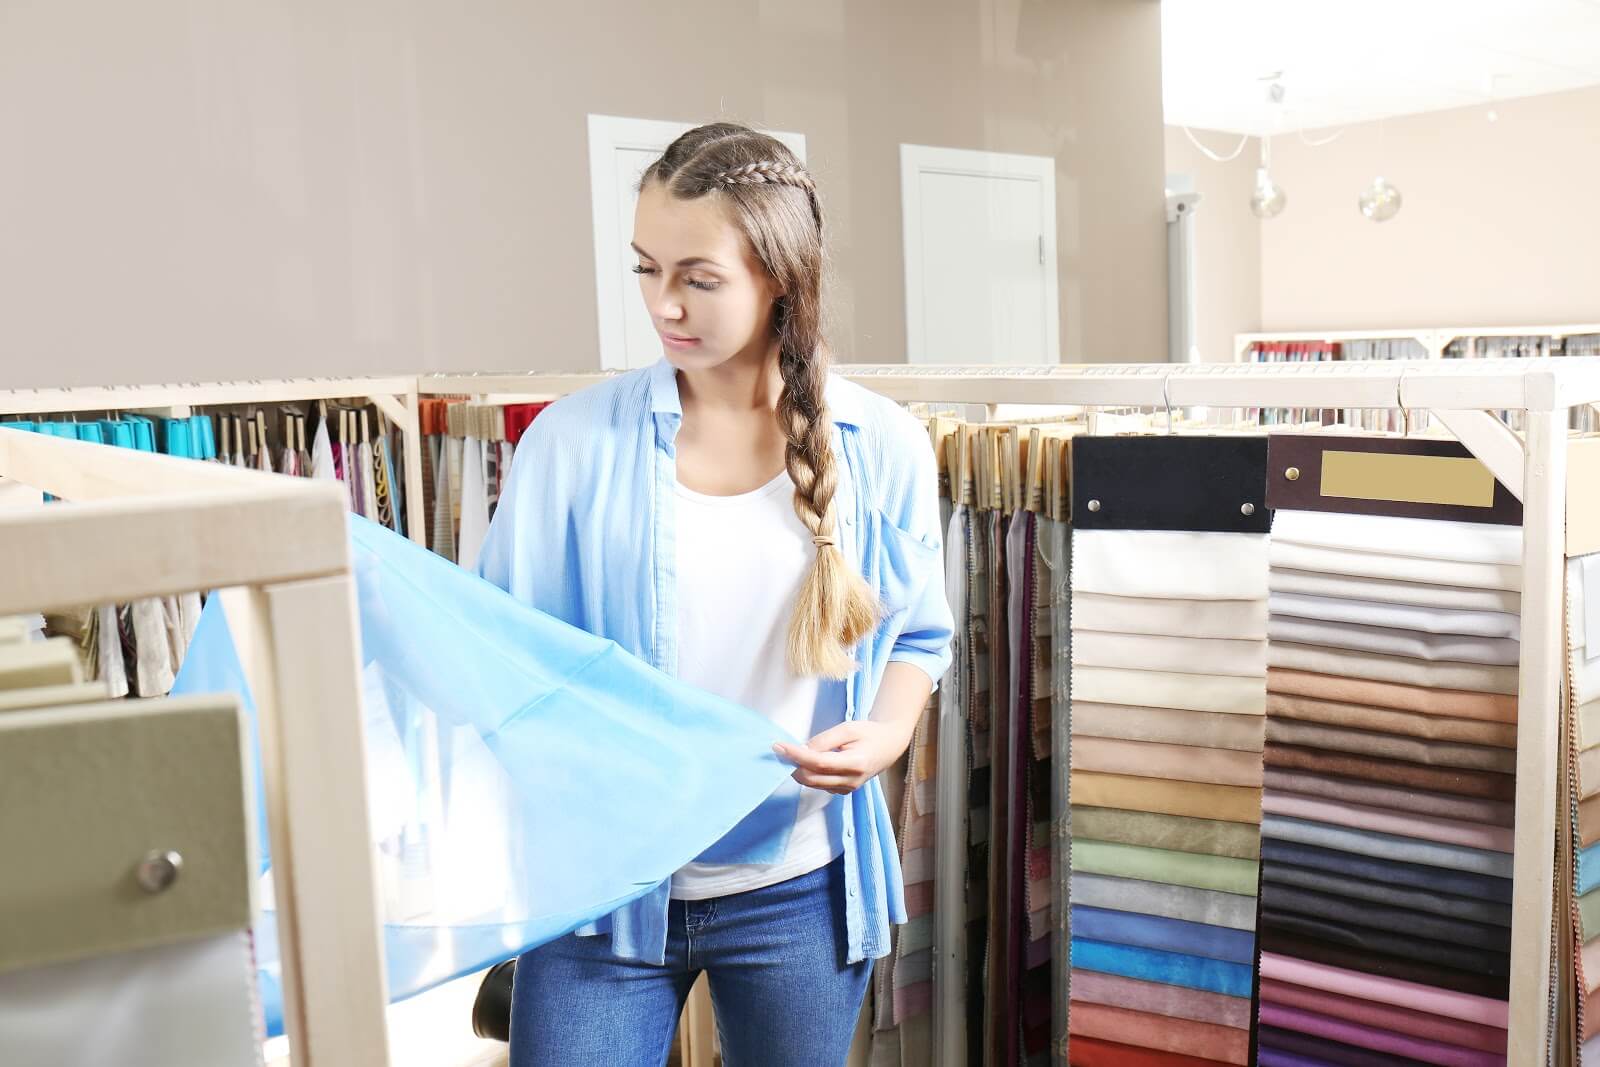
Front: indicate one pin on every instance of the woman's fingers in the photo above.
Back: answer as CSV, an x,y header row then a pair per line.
x,y
835,737
836,763
831,783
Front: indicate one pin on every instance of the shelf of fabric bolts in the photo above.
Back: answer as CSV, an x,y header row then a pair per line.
x,y
1460,394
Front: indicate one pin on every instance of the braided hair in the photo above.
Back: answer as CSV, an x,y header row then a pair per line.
x,y
774,202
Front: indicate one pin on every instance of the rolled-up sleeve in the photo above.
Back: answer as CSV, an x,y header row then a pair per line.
x,y
928,627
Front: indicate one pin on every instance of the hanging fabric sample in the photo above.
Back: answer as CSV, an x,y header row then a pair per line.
x,y
1169,613
1055,547
1390,753
1580,878
524,777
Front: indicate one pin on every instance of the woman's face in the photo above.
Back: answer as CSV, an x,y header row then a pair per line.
x,y
708,296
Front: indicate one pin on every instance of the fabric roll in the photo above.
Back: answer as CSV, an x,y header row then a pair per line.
x,y
1186,763
1354,1034
1389,721
1487,785
1171,968
1279,1042
1388,820
1385,1016
1155,998
1093,1052
1285,943
1213,837
1355,791
1490,1014
1462,704
1389,894
1219,1043
1164,689
1242,733
1411,875
1169,935
1163,865
1388,746
1427,539
1342,910
1434,620
1387,846
1366,939
1175,564
1433,571
1230,619
1230,803
1174,653
1388,641
1234,910
1384,591
1378,668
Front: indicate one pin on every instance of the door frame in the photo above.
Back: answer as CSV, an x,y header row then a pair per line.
x,y
917,160
607,133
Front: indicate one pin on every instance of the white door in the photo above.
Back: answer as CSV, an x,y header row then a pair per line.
x,y
980,250
619,151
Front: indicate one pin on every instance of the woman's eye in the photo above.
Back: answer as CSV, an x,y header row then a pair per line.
x,y
705,286
642,269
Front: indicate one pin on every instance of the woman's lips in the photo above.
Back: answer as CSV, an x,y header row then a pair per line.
x,y
672,340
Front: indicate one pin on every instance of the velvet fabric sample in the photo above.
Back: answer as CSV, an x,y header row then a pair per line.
x,y
1186,763
1387,720
1388,820
1092,1052
1228,802
1412,875
1213,837
1167,689
1156,998
1387,943
1388,1041
1345,911
1385,1016
1378,668
1429,620
1385,591
1162,865
1495,651
1216,908
1488,785
1387,846
1169,935
1242,733
1388,746
1224,1044
1108,613
1422,801
1179,654
1286,943
1463,704
1179,564
1153,965
1488,1012
1389,893
1336,1054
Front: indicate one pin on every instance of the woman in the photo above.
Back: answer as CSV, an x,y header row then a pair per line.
x,y
741,519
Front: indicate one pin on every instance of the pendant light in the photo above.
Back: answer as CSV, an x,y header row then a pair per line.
x,y
1379,201
1269,199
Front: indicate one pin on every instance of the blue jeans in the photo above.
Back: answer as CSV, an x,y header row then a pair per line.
x,y
775,958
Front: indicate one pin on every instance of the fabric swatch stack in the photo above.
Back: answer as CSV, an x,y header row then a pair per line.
x,y
1390,759
1583,742
1170,538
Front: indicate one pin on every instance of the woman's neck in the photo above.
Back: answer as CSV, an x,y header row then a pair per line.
x,y
748,383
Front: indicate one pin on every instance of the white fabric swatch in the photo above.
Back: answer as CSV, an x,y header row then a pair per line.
x,y
1183,655
474,505
1434,539
1167,563
1381,591
1396,568
1337,661
1102,612
322,454
1399,616
1493,651
1157,689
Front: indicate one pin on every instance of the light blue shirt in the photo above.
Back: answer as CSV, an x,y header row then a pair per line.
x,y
585,531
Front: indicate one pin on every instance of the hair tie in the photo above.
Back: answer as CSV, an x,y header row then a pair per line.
x,y
822,540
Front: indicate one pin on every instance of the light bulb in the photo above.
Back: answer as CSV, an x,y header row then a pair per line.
x,y
1269,199
1379,201
1493,115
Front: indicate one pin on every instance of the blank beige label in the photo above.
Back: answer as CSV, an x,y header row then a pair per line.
x,y
1459,480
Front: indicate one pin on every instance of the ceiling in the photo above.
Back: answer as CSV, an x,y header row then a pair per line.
x,y
1345,61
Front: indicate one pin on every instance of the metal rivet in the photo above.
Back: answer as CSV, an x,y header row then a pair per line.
x,y
158,870
1293,474
1247,509
1094,505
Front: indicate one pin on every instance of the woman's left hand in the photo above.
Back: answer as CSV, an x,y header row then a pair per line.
x,y
845,758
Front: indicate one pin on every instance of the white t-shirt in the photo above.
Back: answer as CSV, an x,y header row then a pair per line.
x,y
740,562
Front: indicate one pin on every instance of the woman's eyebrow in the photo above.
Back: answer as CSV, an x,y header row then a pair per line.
x,y
692,261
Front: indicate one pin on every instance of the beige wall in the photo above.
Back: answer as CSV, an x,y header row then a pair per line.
x,y
1227,238
205,191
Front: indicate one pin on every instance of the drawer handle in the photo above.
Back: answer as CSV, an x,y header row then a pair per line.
x,y
158,870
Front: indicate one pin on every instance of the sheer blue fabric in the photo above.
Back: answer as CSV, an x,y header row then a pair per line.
x,y
524,777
